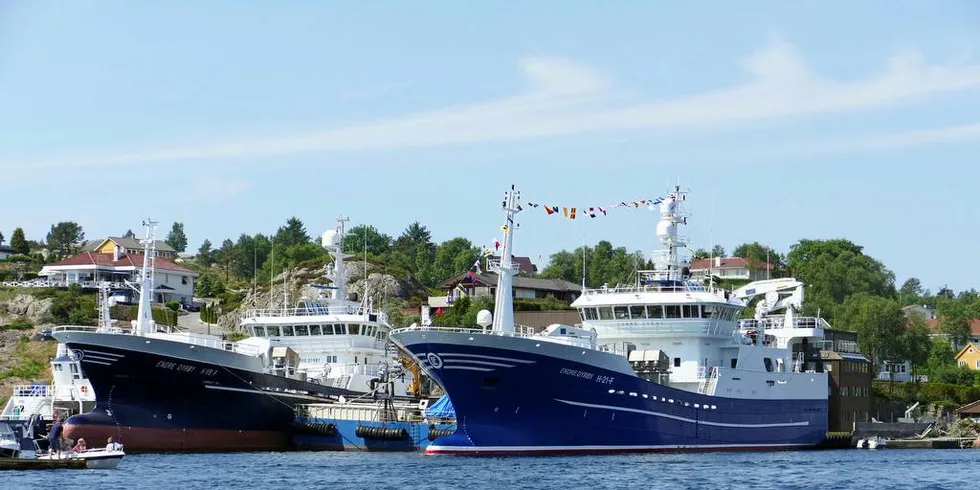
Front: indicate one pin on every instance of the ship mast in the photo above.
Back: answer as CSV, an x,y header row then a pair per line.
x,y
144,317
333,241
667,263
503,318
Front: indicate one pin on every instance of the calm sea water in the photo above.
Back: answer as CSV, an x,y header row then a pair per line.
x,y
888,469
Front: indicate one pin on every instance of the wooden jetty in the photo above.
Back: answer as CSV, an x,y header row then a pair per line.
x,y
41,464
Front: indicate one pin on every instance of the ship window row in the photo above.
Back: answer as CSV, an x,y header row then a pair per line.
x,y
662,399
656,312
308,330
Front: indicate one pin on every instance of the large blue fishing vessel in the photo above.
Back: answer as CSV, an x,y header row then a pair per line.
x,y
659,365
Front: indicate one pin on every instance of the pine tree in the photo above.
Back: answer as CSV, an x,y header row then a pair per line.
x,y
177,239
19,243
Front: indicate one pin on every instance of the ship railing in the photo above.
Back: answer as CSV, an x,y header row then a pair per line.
x,y
519,330
709,380
353,370
777,322
690,288
313,310
213,342
33,390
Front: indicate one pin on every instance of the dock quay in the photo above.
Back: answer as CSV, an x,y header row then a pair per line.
x,y
41,464
932,443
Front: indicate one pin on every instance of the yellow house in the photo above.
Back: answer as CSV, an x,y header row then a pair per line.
x,y
118,246
969,356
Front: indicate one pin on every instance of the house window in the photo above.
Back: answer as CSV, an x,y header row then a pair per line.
x,y
978,363
962,363
183,280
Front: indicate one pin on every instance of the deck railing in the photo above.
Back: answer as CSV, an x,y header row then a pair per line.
x,y
165,333
519,330
333,310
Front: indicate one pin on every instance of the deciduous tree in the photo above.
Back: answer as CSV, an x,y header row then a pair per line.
x,y
176,238
65,236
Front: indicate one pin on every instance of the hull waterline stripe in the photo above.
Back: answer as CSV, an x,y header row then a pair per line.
x,y
568,449
100,353
685,419
456,362
467,368
456,356
101,358
90,361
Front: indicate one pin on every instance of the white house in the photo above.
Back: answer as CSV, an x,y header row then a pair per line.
x,y
732,268
171,281
6,252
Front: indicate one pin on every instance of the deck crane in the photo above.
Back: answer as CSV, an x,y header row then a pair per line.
x,y
777,294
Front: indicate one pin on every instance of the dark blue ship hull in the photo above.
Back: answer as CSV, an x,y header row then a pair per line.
x,y
161,403
510,399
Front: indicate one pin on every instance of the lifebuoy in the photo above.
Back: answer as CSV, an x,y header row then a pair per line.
x,y
84,389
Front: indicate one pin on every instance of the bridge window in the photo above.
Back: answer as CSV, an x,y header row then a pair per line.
x,y
588,314
709,311
672,311
303,330
655,311
621,312
258,331
353,329
273,330
638,311
691,311
605,313
287,330
768,362
677,363
314,330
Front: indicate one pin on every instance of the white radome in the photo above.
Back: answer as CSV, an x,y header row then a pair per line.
x,y
484,318
330,238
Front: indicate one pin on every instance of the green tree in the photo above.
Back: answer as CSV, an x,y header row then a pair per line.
x,y
65,236
879,323
604,264
717,251
205,256
835,269
914,345
758,254
700,254
954,321
1,238
226,255
414,252
176,238
19,243
361,236
293,233
453,257
940,355
910,292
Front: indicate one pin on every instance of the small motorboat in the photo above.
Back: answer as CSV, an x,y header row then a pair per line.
x,y
101,458
9,445
875,442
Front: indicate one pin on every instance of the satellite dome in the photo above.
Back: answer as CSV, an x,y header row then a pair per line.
x,y
484,318
330,238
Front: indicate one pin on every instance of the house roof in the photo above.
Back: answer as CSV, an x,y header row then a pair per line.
x,y
972,407
969,347
974,326
523,263
127,260
728,263
490,279
126,243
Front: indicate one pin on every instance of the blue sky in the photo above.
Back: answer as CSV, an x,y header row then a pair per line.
x,y
785,120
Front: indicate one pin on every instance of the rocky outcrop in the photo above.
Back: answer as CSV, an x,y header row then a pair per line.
x,y
26,306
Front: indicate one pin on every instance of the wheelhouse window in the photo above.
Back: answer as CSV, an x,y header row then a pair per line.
x,y
709,311
302,330
314,330
655,311
621,312
638,311
287,330
672,311
605,313
258,331
691,311
273,330
353,329
590,314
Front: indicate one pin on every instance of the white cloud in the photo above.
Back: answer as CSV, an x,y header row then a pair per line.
x,y
565,98
215,188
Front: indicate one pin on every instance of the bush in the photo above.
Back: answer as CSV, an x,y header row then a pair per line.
x,y
17,325
124,313
173,305
230,300
236,336
165,316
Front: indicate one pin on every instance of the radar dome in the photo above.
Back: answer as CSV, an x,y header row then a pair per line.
x,y
666,228
330,238
484,318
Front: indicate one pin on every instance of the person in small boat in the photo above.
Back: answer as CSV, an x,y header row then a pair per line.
x,y
80,446
55,436
112,445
